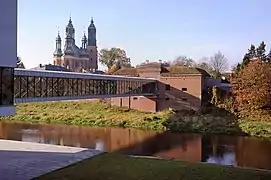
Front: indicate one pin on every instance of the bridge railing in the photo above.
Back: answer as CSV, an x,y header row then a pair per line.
x,y
33,85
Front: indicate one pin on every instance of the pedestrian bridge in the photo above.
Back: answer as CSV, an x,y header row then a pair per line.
x,y
36,85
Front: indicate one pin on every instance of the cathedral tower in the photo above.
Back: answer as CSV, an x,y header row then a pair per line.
x,y
77,58
58,52
92,46
69,39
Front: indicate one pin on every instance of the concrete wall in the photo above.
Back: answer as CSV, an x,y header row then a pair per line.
x,y
8,43
8,33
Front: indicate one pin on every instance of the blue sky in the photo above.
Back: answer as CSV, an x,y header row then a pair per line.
x,y
146,29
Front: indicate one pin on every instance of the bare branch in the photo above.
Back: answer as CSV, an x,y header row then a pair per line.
x,y
219,63
183,61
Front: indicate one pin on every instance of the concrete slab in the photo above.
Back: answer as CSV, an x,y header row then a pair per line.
x,y
24,160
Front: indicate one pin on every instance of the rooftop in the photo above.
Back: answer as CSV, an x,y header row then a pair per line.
x,y
181,70
127,72
50,67
164,71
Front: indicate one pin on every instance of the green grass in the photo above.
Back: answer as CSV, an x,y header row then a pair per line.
x,y
256,128
87,113
101,114
120,167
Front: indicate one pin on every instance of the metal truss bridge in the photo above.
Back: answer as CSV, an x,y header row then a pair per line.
x,y
33,86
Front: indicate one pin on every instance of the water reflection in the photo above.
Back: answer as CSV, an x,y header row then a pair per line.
x,y
240,151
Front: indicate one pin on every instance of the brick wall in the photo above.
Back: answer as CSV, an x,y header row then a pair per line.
x,y
140,103
182,92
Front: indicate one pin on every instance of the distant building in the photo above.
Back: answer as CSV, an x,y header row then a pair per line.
x,y
179,87
76,58
50,67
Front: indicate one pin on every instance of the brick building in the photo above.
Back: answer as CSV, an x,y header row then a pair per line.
x,y
179,87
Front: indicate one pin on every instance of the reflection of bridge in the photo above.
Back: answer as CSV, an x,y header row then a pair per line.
x,y
30,85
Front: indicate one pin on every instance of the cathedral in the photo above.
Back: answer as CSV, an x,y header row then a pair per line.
x,y
74,58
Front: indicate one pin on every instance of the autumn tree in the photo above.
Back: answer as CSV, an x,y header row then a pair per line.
x,y
116,66
268,56
219,64
251,86
109,57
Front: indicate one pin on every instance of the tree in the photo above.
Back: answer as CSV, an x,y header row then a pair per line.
x,y
219,64
251,86
114,68
235,67
120,63
124,63
268,57
20,64
109,57
183,61
252,53
247,58
260,51
204,64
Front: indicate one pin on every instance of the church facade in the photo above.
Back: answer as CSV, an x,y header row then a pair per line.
x,y
77,59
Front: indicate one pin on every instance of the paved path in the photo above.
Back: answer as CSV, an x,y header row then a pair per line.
x,y
23,160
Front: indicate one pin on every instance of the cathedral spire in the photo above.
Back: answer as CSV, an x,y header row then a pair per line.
x,y
58,51
84,41
91,33
91,25
69,40
70,31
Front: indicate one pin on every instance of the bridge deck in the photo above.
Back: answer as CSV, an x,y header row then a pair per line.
x,y
32,85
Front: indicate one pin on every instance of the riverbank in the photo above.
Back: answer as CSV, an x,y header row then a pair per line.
x,y
121,167
100,114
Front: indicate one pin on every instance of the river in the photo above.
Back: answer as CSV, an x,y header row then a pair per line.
x,y
226,150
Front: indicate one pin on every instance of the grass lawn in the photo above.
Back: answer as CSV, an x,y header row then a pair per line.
x,y
87,113
101,114
120,167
